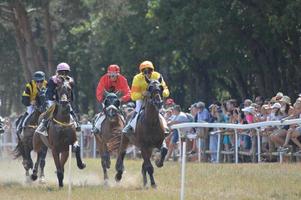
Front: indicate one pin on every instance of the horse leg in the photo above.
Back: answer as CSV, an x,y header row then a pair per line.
x,y
163,153
64,158
42,163
34,175
119,163
147,167
79,162
105,160
59,170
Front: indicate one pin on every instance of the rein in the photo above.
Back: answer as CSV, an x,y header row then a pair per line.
x,y
62,123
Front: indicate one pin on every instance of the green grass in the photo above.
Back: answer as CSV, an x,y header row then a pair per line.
x,y
203,181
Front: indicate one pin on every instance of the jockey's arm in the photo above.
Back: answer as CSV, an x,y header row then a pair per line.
x,y
165,88
136,93
26,96
50,91
125,90
100,90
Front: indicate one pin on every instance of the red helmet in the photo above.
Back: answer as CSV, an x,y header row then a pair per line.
x,y
114,69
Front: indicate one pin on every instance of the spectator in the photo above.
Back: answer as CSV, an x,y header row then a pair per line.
x,y
179,117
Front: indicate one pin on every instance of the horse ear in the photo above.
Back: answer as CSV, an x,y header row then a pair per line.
x,y
119,94
160,79
105,92
147,80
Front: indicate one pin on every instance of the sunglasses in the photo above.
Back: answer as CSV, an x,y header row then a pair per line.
x,y
113,75
147,71
40,81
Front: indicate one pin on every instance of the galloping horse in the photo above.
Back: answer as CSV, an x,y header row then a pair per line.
x,y
25,142
109,137
149,134
61,131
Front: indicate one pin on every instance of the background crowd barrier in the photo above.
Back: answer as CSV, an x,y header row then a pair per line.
x,y
184,135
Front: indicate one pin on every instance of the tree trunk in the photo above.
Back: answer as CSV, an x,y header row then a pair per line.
x,y
49,43
27,49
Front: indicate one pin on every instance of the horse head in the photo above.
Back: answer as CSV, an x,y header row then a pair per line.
x,y
64,89
155,90
111,105
41,100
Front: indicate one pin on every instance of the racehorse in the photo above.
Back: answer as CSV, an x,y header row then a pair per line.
x,y
61,130
149,134
25,141
108,139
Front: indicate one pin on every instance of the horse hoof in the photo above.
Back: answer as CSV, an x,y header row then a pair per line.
x,y
118,177
154,186
34,177
42,180
81,166
106,183
159,163
61,185
28,179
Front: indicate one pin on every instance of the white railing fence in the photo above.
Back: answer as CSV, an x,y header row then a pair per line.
x,y
183,135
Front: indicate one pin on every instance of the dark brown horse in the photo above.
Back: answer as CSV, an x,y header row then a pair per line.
x,y
108,139
61,131
25,142
149,134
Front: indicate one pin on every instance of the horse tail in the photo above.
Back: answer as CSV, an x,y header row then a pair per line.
x,y
19,150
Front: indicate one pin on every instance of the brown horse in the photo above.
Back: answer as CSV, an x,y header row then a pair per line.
x,y
149,134
25,142
108,139
61,131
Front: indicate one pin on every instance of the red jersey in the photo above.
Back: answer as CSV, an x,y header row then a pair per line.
x,y
121,85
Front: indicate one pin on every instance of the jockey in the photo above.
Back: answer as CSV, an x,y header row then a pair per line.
x,y
112,81
138,92
62,69
30,96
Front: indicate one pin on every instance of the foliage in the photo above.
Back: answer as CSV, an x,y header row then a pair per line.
x,y
205,49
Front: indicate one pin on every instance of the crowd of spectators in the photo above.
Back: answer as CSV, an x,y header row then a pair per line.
x,y
274,140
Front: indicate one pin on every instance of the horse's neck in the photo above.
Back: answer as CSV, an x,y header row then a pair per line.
x,y
63,113
33,119
151,114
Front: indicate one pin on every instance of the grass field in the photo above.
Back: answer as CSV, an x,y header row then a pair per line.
x,y
203,181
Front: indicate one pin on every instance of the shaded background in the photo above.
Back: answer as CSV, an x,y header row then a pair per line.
x,y
205,49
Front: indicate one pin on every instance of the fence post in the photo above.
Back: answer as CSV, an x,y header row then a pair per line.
x,y
183,169
218,147
81,144
258,145
236,147
94,147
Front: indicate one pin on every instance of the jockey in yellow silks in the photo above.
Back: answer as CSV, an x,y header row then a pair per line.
x,y
138,92
30,97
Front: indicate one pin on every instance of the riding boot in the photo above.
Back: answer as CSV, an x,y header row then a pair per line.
x,y
42,127
20,125
77,126
128,129
97,124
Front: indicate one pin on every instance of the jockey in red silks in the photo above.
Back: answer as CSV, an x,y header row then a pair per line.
x,y
112,81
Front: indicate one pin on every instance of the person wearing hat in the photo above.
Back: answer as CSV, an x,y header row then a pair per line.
x,y
294,130
286,107
112,81
139,91
30,96
62,70
178,117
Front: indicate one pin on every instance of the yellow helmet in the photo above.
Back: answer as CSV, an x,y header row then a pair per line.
x,y
146,64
